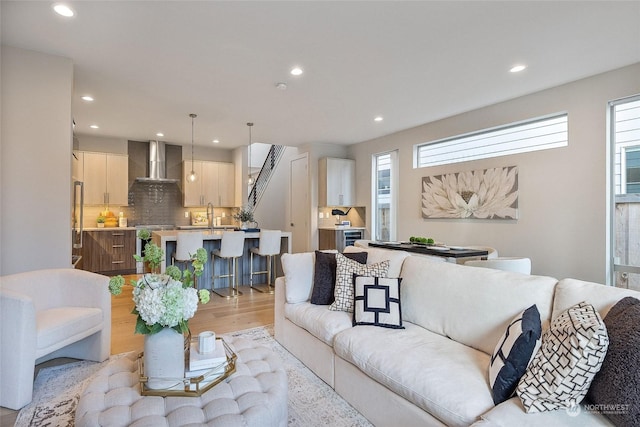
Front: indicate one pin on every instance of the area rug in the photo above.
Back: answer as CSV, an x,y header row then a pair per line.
x,y
311,401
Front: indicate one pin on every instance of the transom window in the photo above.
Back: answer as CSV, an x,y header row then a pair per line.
x,y
536,134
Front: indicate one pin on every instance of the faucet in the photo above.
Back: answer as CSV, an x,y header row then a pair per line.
x,y
210,217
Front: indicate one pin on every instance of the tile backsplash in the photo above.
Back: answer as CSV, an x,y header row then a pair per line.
x,y
154,203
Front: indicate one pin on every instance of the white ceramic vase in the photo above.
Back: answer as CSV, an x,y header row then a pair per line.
x,y
164,359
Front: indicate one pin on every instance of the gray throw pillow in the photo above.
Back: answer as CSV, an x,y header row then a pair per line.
x,y
324,276
615,390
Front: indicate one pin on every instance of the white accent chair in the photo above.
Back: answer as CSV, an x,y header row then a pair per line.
x,y
362,243
519,265
47,314
187,243
231,248
269,247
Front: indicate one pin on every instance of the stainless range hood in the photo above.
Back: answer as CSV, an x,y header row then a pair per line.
x,y
157,164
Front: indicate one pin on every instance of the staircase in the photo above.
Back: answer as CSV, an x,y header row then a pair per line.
x,y
269,165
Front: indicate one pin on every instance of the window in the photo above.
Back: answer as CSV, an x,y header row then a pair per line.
x,y
384,196
536,134
624,123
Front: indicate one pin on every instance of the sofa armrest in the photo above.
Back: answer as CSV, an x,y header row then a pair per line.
x,y
17,346
278,307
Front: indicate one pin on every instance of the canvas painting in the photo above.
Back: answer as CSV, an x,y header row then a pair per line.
x,y
483,194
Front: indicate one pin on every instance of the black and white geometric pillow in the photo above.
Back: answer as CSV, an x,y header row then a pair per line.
x,y
571,353
377,302
513,353
345,269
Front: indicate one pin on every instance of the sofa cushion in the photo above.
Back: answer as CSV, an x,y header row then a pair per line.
x,y
56,326
377,302
570,292
298,276
618,382
376,255
472,305
345,270
318,320
511,413
571,353
324,276
513,353
441,376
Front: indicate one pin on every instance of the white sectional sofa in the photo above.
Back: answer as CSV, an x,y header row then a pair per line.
x,y
435,371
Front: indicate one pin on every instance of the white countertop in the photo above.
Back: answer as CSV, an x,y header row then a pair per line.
x,y
108,228
172,235
342,227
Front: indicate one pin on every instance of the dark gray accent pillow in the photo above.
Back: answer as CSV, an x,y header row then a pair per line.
x,y
617,385
324,276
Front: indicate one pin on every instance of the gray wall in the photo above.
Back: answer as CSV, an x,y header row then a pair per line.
x,y
563,203
35,218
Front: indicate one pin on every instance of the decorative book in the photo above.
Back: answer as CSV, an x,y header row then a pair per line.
x,y
198,361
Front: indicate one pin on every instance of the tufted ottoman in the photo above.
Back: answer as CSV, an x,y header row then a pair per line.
x,y
255,395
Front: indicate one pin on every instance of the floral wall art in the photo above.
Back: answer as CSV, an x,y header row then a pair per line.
x,y
484,194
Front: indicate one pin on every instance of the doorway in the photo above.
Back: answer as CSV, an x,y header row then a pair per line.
x,y
299,203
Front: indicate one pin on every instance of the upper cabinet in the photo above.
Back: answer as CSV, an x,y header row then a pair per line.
x,y
215,184
105,176
336,182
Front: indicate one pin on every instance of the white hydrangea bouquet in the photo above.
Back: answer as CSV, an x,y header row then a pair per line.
x,y
165,300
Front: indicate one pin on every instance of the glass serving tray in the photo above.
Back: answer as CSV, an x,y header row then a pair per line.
x,y
192,386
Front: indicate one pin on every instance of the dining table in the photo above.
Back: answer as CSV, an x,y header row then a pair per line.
x,y
451,253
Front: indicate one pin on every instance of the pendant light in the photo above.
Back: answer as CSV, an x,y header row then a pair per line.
x,y
192,176
249,177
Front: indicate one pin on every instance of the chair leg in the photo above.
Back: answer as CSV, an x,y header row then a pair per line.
x,y
268,288
231,291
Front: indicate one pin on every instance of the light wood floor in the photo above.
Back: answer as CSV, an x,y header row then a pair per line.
x,y
250,310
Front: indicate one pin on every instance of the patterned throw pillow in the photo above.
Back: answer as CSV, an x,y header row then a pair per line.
x,y
324,275
345,269
377,302
513,353
571,353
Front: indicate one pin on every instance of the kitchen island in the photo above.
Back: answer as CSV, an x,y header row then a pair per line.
x,y
166,239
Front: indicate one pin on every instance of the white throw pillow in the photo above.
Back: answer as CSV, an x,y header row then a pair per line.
x,y
571,353
298,276
377,302
345,269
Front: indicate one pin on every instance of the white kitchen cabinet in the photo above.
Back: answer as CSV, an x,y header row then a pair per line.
x,y
215,184
106,179
336,182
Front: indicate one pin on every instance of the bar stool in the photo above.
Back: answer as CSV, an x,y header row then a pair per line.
x,y
187,244
269,247
231,248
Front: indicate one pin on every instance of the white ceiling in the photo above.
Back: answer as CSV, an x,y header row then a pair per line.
x,y
148,64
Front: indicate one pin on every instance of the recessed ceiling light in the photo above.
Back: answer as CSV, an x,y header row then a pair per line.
x,y
87,98
378,119
159,134
281,86
63,10
216,141
296,71
517,68
94,127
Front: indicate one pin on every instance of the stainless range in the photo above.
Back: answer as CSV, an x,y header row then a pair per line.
x,y
141,242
